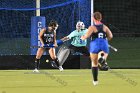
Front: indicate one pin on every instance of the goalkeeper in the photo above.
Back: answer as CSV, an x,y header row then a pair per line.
x,y
77,45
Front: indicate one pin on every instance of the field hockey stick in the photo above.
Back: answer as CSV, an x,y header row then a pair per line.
x,y
59,42
113,48
45,46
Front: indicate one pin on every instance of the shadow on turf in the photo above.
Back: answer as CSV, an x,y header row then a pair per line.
x,y
123,77
51,76
31,87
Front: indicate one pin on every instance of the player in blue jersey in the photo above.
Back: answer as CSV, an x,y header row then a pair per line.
x,y
100,34
47,37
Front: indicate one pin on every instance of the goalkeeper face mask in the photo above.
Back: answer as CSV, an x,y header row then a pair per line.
x,y
80,25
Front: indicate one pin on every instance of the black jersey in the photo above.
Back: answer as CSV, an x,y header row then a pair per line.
x,y
100,33
48,37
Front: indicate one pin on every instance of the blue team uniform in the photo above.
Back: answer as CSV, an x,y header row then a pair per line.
x,y
99,42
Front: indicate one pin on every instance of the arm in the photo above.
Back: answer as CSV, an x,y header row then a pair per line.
x,y
55,42
40,36
61,41
109,33
91,30
68,37
65,38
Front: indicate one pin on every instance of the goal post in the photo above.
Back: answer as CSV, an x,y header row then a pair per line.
x,y
37,23
92,11
37,7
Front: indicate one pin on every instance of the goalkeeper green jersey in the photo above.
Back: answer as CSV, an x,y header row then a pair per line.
x,y
75,36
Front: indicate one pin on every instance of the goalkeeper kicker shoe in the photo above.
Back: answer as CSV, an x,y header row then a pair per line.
x,y
61,68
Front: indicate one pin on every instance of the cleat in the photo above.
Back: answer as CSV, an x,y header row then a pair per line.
x,y
57,62
36,70
54,64
101,61
95,83
103,66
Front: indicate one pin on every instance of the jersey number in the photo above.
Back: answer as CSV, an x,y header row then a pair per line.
x,y
100,35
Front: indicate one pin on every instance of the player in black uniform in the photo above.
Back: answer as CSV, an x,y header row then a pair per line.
x,y
47,38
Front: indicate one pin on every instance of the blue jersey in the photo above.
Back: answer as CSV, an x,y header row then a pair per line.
x,y
99,42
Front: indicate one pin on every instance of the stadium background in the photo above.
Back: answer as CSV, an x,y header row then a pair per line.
x,y
122,17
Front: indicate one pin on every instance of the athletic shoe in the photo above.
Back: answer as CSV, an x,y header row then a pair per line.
x,y
36,70
57,62
103,66
101,60
95,83
61,68
53,64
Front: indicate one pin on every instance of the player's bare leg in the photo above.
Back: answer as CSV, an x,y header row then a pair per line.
x,y
94,60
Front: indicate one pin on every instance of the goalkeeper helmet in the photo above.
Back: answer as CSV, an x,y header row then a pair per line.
x,y
80,25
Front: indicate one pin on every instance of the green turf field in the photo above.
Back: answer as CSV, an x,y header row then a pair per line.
x,y
69,81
